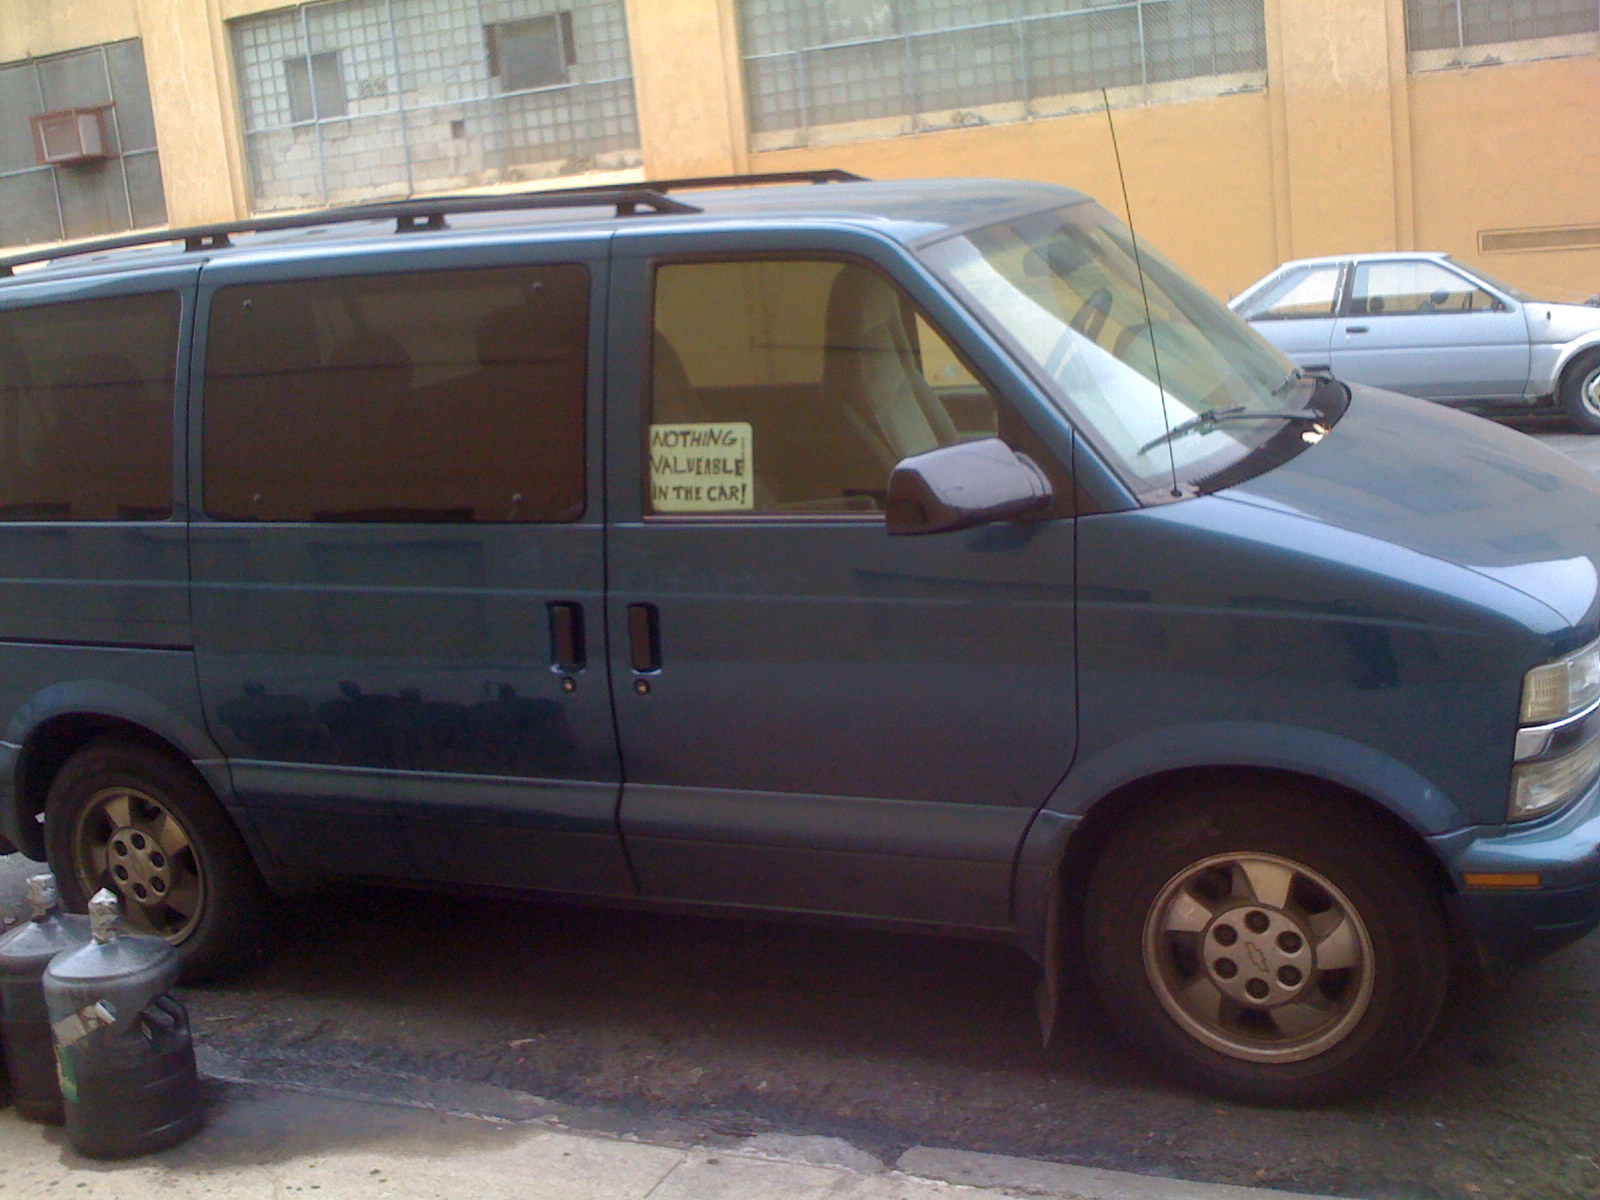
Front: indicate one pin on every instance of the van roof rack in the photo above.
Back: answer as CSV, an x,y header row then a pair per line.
x,y
822,175
419,213
429,212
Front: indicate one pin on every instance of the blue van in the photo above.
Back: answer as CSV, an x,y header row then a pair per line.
x,y
926,553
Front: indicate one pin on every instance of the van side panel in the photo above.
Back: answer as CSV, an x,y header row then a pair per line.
x,y
398,562
1205,624
94,610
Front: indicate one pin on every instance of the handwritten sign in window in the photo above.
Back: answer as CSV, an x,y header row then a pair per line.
x,y
701,468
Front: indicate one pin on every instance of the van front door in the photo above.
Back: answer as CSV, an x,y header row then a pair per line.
x,y
815,716
398,566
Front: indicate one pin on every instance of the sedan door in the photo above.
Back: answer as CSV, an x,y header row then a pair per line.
x,y
1296,312
1420,327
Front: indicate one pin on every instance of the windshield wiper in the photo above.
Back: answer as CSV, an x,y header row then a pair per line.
x,y
1207,421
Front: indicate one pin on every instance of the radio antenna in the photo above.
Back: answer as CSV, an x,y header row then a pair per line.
x,y
1144,294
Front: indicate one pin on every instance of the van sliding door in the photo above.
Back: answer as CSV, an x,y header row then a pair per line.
x,y
397,569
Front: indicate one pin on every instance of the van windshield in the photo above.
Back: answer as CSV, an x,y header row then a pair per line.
x,y
1164,380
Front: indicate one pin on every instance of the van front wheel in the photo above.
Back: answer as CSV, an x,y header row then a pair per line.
x,y
1271,946
124,816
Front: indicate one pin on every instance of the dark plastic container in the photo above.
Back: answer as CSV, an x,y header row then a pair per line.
x,y
122,1041
25,953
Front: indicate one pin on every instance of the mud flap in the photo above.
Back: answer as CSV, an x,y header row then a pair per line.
x,y
1047,996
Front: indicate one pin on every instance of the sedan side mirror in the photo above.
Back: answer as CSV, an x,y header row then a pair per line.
x,y
960,486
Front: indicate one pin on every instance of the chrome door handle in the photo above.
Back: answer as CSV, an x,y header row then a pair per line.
x,y
644,638
568,651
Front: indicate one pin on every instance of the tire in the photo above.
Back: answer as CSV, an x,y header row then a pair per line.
x,y
1266,943
126,816
1580,392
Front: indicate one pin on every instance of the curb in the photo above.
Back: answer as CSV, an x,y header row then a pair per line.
x,y
965,1169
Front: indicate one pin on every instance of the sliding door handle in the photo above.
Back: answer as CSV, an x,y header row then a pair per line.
x,y
568,648
644,638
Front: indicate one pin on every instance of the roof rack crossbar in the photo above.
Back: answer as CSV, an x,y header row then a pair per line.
x,y
422,213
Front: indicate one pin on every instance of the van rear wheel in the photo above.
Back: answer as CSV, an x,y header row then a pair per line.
x,y
1268,944
125,816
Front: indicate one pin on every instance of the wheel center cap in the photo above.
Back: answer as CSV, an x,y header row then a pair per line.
x,y
1257,956
140,867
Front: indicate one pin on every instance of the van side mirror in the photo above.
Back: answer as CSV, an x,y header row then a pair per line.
x,y
960,486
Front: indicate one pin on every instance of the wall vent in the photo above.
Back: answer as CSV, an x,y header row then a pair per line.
x,y
69,135
1556,237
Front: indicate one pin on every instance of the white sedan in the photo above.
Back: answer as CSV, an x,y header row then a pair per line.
x,y
1432,327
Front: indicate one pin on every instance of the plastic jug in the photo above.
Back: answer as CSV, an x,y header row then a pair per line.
x,y
122,1041
25,953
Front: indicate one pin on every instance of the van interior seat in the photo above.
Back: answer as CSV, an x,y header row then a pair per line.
x,y
262,389
673,400
525,402
871,379
365,402
116,428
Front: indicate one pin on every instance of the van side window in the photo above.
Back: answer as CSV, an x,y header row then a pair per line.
x,y
86,399
794,386
427,396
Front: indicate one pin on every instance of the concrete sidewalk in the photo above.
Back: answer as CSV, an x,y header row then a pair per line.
x,y
270,1141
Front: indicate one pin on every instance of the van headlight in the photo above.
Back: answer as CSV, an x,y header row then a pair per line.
x,y
1541,787
1559,689
1558,745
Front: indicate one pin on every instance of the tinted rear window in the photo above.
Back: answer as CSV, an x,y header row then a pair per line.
x,y
438,396
86,403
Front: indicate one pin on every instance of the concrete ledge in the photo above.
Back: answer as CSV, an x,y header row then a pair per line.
x,y
1062,1181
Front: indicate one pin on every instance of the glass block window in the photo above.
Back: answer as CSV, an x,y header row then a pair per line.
x,y
817,68
316,86
534,53
47,203
401,97
1461,24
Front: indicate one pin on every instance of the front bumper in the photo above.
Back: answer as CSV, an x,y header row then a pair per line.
x,y
1512,924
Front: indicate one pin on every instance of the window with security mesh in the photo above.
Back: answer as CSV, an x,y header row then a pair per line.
x,y
405,97
534,53
316,86
912,65
41,202
1459,24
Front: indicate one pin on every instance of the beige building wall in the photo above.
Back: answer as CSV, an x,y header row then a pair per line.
x,y
34,28
1511,148
1347,148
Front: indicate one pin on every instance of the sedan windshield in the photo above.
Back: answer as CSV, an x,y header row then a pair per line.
x,y
1509,289
1164,380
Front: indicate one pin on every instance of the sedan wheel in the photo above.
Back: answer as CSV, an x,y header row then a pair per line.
x,y
1580,393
